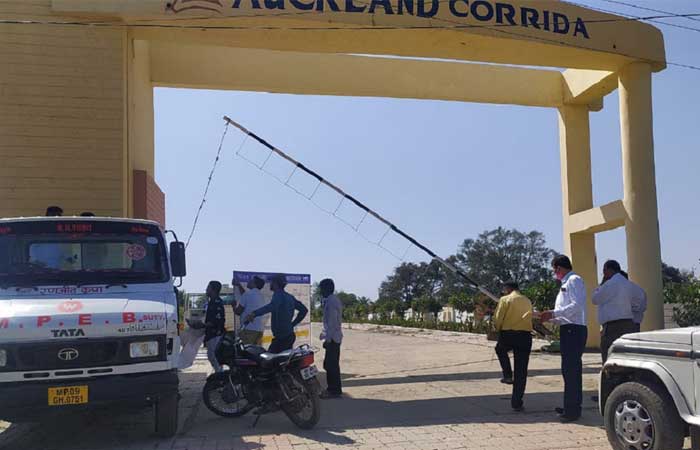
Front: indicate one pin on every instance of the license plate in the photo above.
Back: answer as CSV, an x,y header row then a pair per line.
x,y
309,372
68,395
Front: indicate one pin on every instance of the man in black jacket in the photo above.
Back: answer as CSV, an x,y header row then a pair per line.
x,y
214,321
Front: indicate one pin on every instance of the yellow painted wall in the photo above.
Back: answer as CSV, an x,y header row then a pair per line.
x,y
61,115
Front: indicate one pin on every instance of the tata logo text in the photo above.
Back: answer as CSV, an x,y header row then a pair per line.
x,y
68,354
496,14
68,332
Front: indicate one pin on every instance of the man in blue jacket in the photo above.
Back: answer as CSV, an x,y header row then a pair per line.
x,y
282,307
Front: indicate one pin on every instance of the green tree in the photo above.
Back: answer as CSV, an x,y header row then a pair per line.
x,y
671,274
347,299
387,306
686,299
500,255
425,305
462,301
682,289
543,294
403,285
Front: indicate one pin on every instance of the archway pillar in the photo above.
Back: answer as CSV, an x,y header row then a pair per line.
x,y
639,180
577,197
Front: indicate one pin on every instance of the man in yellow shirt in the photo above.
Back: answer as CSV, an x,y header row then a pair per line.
x,y
513,321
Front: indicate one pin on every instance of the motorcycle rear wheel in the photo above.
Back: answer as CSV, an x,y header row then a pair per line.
x,y
306,411
215,393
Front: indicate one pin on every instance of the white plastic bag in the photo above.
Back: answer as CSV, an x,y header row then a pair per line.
x,y
191,341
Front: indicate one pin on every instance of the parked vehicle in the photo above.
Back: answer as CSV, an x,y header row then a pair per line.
x,y
88,317
264,382
650,389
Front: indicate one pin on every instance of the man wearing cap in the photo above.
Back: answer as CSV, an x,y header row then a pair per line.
x,y
282,307
251,300
513,321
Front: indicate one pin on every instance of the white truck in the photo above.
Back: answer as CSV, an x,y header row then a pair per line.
x,y
650,390
88,317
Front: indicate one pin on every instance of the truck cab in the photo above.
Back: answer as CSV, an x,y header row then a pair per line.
x,y
88,317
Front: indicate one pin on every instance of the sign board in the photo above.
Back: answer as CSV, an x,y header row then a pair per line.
x,y
299,285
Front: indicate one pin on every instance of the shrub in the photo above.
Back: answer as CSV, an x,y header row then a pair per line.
x,y
686,300
469,327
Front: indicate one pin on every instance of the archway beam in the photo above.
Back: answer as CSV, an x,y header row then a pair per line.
x,y
174,65
598,219
521,32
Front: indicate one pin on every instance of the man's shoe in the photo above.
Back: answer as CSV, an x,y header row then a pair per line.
x,y
568,419
326,395
519,409
559,411
507,380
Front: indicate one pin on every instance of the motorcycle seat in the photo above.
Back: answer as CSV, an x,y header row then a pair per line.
x,y
268,360
254,350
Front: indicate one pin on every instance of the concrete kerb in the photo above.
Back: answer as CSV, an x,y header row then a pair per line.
x,y
440,335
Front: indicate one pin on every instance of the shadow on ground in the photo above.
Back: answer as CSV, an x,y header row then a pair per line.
x,y
111,429
354,381
363,413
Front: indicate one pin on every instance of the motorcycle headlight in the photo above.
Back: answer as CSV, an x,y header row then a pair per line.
x,y
143,349
3,358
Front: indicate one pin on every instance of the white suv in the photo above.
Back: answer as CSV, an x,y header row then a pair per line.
x,y
650,390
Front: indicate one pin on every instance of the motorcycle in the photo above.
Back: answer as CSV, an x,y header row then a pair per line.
x,y
262,382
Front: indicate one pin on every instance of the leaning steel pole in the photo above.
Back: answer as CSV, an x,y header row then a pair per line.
x,y
362,206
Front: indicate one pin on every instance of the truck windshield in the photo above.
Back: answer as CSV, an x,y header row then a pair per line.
x,y
74,252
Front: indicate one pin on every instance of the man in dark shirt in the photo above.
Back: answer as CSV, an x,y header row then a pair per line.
x,y
214,322
282,307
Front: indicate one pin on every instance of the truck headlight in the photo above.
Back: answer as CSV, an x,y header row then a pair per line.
x,y
3,358
143,349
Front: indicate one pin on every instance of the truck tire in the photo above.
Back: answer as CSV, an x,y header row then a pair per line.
x,y
166,415
643,416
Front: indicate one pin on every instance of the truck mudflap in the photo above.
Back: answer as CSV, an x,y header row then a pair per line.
x,y
29,401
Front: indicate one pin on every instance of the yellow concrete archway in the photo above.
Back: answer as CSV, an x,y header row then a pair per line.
x,y
77,90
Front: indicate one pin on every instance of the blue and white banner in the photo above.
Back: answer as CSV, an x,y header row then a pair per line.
x,y
292,278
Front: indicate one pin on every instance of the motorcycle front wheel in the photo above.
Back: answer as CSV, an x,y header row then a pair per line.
x,y
305,410
224,397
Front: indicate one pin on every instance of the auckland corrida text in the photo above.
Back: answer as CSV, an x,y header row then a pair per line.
x,y
481,11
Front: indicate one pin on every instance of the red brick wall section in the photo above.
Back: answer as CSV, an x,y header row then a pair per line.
x,y
149,200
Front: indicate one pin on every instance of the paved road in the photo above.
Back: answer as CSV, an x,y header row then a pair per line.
x,y
405,390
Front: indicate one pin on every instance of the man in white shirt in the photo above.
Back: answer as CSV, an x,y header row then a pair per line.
x,y
332,337
570,313
251,300
614,298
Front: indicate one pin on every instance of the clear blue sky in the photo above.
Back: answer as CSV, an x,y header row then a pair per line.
x,y
443,171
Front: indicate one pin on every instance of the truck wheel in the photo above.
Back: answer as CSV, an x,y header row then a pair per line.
x,y
643,417
166,415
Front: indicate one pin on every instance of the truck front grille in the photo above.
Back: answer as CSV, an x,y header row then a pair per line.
x,y
44,357
80,353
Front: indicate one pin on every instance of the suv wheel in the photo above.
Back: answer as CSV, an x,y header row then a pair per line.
x,y
642,417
